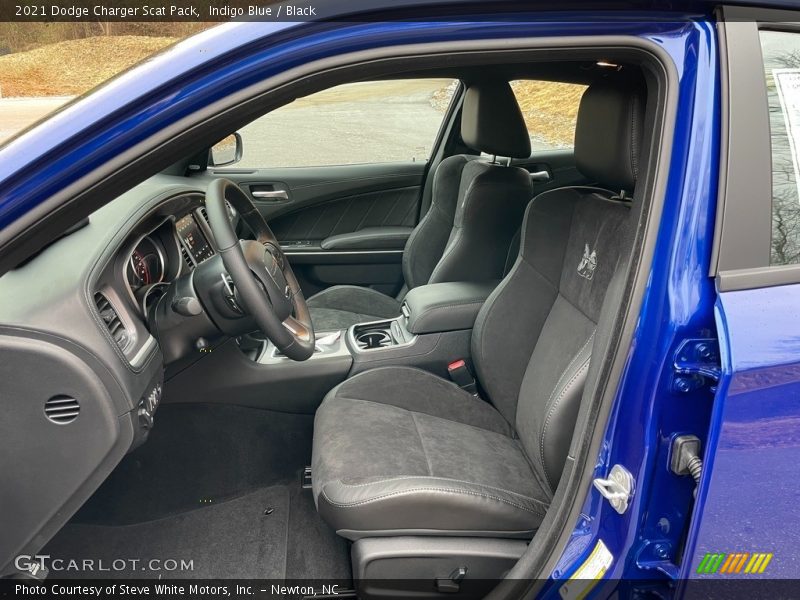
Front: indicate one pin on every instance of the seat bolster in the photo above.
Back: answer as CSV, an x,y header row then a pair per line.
x,y
341,306
419,391
332,319
356,299
432,504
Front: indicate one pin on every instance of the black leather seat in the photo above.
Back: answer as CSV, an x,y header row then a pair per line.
x,y
476,209
399,451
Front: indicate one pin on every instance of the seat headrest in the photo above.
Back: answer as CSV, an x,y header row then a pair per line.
x,y
608,134
492,122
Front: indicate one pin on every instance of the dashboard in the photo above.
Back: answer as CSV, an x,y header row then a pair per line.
x,y
74,327
174,246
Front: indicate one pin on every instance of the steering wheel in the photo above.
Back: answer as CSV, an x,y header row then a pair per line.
x,y
262,277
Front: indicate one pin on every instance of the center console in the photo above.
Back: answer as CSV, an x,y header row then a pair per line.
x,y
434,329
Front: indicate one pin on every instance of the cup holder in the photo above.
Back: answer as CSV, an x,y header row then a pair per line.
x,y
373,339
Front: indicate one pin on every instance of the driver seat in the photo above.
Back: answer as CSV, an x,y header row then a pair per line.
x,y
400,451
476,209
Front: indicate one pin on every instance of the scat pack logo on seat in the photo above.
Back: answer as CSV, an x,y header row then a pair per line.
x,y
743,563
588,263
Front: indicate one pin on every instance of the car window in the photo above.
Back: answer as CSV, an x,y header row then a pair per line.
x,y
781,52
355,123
550,109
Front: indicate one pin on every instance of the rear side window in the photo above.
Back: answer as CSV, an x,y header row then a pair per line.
x,y
355,123
551,110
781,52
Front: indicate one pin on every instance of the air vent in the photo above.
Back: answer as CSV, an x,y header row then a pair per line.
x,y
112,321
204,213
62,409
187,259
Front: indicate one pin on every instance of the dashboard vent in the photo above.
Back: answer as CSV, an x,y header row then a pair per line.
x,y
187,259
204,213
62,409
112,320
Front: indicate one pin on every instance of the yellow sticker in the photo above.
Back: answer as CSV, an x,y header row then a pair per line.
x,y
588,574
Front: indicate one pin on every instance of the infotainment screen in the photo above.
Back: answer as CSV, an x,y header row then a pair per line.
x,y
193,238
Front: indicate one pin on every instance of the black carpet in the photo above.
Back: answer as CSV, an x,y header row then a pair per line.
x,y
198,453
198,489
233,539
314,550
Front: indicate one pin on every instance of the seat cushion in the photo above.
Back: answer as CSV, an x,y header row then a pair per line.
x,y
341,306
398,450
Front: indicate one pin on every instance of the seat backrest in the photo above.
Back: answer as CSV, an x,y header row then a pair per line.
x,y
533,339
477,204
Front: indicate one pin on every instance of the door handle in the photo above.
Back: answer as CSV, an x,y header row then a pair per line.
x,y
540,176
274,195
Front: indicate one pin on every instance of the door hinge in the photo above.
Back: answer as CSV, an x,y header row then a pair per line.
x,y
617,489
657,555
696,365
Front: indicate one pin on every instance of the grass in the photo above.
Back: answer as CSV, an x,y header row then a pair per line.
x,y
73,67
550,109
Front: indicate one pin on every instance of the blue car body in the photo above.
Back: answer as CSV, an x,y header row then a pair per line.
x,y
747,420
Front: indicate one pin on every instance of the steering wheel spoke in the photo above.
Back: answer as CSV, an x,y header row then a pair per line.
x,y
297,329
261,274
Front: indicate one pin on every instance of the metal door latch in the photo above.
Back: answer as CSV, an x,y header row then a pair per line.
x,y
617,489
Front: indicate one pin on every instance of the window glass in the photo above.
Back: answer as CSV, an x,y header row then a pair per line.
x,y
550,110
354,123
781,52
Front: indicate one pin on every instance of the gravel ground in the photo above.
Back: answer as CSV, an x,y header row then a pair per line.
x,y
353,123
18,113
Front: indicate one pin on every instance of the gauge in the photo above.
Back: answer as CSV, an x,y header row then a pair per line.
x,y
146,264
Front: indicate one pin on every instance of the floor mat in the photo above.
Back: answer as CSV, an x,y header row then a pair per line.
x,y
198,453
233,539
197,490
314,550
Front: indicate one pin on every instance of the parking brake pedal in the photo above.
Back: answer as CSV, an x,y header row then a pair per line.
x,y
305,479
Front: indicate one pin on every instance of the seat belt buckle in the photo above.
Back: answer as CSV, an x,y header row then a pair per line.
x,y
461,376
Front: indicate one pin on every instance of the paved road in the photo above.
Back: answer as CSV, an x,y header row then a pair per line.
x,y
353,123
17,113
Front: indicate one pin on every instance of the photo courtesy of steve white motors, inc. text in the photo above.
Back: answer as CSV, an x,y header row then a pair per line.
x,y
90,11
170,590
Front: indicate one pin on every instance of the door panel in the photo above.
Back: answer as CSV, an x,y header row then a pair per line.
x,y
386,208
306,205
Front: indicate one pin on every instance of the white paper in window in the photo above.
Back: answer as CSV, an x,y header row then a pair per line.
x,y
787,83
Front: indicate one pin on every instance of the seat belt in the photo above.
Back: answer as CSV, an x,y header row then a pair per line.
x,y
462,377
